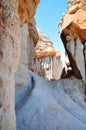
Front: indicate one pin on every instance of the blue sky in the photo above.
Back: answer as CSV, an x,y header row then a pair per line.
x,y
47,17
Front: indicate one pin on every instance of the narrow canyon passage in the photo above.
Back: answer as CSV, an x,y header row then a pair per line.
x,y
50,97
56,104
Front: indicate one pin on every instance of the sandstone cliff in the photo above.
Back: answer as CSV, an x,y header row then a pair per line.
x,y
12,15
47,61
73,35
26,10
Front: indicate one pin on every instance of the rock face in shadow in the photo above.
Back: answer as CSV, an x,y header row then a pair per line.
x,y
73,35
47,62
29,38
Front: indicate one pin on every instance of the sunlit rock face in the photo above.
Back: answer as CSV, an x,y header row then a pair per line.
x,y
73,35
9,59
26,9
47,62
10,39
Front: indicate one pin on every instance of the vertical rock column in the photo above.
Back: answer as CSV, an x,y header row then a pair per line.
x,y
9,59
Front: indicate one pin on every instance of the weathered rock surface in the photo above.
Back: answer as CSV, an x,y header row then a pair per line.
x,y
56,104
22,78
9,59
53,105
73,34
26,9
74,21
39,105
45,47
10,54
29,37
47,62
33,33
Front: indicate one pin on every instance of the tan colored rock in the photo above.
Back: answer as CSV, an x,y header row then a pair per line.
x,y
73,35
10,54
47,61
33,33
45,47
75,18
9,59
68,38
26,9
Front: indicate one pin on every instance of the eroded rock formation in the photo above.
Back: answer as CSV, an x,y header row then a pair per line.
x,y
29,37
26,9
47,61
73,35
9,59
10,13
46,104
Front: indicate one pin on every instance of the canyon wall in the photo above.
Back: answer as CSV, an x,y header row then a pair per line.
x,y
47,62
73,35
18,32
9,59
10,12
26,10
29,37
59,101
